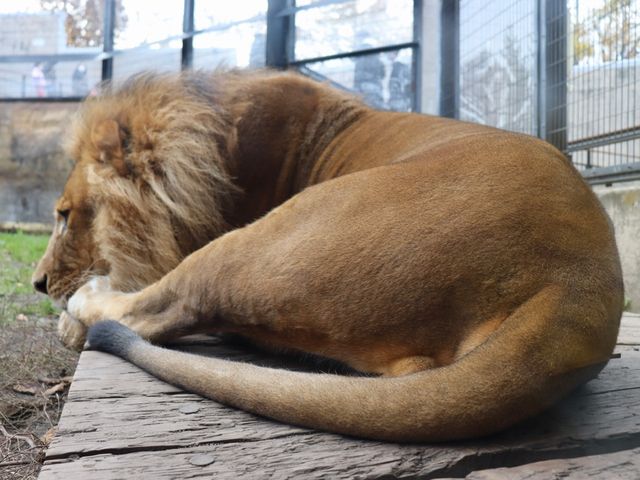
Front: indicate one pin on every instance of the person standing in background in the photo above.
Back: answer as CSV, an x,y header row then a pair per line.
x,y
79,83
49,72
39,80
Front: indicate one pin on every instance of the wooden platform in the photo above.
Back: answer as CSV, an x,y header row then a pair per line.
x,y
119,422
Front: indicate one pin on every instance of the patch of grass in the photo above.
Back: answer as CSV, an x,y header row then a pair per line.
x,y
22,247
15,278
19,253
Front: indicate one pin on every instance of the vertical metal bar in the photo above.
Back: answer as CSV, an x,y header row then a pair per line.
x,y
556,72
541,69
291,34
187,28
107,45
450,58
278,31
552,72
417,56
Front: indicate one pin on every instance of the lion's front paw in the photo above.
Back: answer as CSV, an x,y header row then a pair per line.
x,y
71,331
86,303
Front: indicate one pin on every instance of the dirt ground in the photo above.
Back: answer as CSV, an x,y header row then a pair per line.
x,y
35,368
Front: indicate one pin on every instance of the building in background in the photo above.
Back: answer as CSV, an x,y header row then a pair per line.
x,y
37,60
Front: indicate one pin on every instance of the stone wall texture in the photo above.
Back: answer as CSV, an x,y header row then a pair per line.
x,y
33,167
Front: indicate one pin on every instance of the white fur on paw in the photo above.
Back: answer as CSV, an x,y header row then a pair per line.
x,y
79,300
100,283
76,303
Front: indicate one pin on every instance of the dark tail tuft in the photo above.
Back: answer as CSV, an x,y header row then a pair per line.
x,y
111,337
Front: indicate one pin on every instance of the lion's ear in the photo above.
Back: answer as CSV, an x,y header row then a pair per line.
x,y
108,139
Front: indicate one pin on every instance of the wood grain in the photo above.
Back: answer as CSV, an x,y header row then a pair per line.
x,y
120,422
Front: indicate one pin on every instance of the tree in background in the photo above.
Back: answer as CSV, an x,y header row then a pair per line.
x,y
84,20
608,33
497,86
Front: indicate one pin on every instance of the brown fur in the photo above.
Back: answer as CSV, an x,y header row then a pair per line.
x,y
392,242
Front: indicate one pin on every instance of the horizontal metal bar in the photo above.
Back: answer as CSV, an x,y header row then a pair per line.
x,y
58,57
293,10
356,53
224,26
323,78
616,173
41,99
604,139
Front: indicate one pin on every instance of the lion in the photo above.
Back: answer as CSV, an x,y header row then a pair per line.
x,y
470,273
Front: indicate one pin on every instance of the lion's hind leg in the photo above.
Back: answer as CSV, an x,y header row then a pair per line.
x,y
409,365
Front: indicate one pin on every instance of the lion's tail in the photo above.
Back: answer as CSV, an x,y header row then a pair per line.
x,y
542,351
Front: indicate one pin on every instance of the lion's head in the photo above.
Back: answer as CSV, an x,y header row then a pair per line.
x,y
148,187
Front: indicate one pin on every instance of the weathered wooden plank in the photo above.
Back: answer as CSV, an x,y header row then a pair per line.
x,y
312,456
623,465
303,458
91,423
120,421
167,420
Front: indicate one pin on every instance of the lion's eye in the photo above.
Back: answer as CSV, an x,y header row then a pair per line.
x,y
64,215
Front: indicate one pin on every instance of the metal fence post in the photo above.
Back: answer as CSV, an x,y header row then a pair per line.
x,y
450,59
278,32
541,69
556,72
417,55
107,45
552,72
187,30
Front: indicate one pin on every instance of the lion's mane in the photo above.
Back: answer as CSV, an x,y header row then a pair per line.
x,y
175,139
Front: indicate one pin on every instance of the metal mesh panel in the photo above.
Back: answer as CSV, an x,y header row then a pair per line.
x,y
383,80
566,71
362,46
352,25
130,62
498,64
603,91
242,44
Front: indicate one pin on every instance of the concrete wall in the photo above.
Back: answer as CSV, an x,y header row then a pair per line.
x,y
622,202
33,167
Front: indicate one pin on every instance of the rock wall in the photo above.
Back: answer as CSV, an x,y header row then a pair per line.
x,y
622,202
33,167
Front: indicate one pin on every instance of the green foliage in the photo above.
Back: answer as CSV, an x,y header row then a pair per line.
x,y
84,20
23,248
607,33
19,253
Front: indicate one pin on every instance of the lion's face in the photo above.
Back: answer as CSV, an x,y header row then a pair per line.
x,y
71,254
148,188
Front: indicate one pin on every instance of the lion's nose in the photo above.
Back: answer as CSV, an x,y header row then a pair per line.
x,y
40,284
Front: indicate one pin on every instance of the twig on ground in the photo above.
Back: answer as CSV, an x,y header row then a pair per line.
x,y
24,438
